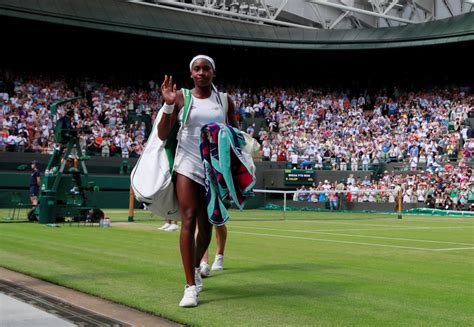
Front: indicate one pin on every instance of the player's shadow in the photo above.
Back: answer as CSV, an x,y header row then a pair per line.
x,y
300,266
290,286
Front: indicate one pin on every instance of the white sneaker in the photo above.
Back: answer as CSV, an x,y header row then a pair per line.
x,y
190,297
172,228
205,269
198,279
218,262
165,226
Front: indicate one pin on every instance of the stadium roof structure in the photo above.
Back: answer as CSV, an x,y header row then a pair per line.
x,y
188,22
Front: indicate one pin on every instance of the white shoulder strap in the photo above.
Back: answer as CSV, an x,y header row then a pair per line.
x,y
225,103
188,99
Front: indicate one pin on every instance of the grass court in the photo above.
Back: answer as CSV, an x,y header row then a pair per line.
x,y
307,268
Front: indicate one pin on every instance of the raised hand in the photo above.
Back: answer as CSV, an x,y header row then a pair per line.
x,y
168,90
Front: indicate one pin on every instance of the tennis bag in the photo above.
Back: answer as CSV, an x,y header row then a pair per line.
x,y
152,176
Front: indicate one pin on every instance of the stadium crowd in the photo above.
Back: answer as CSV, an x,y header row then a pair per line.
x,y
27,124
307,127
311,128
307,123
449,187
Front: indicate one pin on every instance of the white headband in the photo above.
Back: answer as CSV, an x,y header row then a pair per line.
x,y
202,57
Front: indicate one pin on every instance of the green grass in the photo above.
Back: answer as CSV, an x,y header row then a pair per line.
x,y
310,269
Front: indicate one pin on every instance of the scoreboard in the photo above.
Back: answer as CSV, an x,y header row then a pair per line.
x,y
299,177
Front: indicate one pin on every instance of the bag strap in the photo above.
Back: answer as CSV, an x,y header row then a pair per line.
x,y
171,141
188,98
225,104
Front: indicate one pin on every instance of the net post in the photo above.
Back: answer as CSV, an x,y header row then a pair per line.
x,y
284,205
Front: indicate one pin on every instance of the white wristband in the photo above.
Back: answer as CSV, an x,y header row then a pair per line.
x,y
168,108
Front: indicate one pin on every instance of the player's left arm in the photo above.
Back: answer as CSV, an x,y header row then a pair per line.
x,y
232,120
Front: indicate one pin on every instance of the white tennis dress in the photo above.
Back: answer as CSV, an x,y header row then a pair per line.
x,y
188,160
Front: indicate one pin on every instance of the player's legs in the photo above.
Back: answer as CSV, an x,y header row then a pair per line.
x,y
221,236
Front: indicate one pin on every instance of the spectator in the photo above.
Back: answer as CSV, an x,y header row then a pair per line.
x,y
34,183
294,160
251,130
365,162
266,152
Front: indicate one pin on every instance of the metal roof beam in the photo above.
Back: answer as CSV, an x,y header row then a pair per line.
x,y
448,6
264,5
338,20
390,6
208,11
361,11
280,9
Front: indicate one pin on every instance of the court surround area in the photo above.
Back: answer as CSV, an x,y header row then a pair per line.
x,y
306,268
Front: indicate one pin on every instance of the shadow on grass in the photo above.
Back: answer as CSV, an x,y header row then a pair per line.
x,y
284,289
281,292
291,267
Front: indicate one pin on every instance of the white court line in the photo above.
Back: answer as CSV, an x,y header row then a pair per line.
x,y
454,249
469,221
331,241
326,222
349,242
351,235
357,224
388,228
309,220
